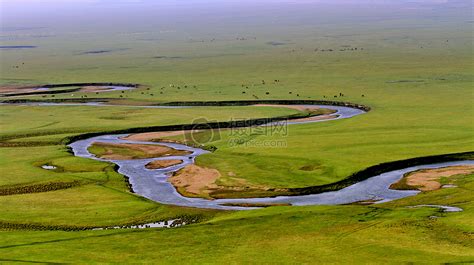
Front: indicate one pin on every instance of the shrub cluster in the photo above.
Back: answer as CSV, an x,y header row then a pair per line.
x,y
35,188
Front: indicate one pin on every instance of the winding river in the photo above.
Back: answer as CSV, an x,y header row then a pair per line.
x,y
153,183
105,88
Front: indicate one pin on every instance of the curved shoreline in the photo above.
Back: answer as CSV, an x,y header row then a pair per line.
x,y
296,196
154,185
78,87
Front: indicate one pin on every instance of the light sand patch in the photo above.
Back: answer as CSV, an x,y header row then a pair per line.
x,y
149,136
295,107
200,182
316,118
5,90
364,202
428,179
134,151
157,164
194,180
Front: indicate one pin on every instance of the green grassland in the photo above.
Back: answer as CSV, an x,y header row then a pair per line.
x,y
389,233
418,85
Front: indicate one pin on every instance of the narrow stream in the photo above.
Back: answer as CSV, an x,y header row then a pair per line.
x,y
153,183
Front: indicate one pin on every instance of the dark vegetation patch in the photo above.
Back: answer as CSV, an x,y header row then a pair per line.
x,y
29,143
36,188
15,47
47,92
89,84
342,48
363,202
261,205
168,57
58,100
83,68
276,43
219,55
373,214
8,137
406,81
402,184
196,57
102,51
117,117
263,101
180,219
309,167
97,52
77,87
248,193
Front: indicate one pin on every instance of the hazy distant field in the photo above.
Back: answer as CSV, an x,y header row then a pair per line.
x,y
411,61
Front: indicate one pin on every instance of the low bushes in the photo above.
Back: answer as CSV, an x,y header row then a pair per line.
x,y
35,188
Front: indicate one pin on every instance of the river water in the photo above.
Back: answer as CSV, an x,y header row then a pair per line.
x,y
153,183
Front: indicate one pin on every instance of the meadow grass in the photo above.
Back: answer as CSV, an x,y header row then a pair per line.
x,y
391,233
